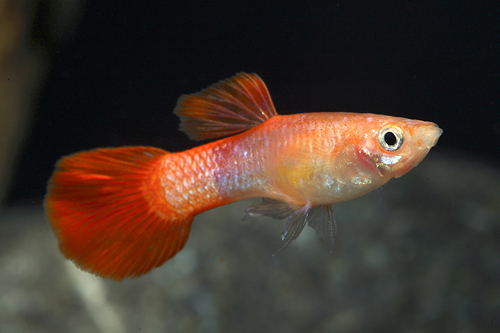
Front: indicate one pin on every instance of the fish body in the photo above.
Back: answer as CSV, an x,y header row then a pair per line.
x,y
119,212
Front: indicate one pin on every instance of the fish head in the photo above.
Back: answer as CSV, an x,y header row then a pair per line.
x,y
392,146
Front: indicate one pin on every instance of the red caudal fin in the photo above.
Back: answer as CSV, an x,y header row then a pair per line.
x,y
108,212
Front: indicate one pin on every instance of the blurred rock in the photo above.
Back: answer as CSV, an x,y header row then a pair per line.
x,y
28,30
421,255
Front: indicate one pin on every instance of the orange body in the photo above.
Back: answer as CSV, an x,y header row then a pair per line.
x,y
119,212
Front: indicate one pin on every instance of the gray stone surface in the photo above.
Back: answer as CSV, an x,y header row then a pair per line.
x,y
420,255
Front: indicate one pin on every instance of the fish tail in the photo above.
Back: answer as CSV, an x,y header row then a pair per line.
x,y
108,212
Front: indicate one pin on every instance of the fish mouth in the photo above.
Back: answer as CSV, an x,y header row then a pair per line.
x,y
428,138
430,135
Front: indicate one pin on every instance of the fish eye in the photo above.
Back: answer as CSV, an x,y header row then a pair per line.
x,y
390,138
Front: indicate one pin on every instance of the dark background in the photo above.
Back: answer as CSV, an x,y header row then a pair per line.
x,y
117,80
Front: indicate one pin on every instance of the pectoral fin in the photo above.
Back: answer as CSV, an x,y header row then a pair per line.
x,y
320,218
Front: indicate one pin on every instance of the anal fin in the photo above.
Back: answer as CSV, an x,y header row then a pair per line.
x,y
269,207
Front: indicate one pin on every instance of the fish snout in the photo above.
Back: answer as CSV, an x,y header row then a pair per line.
x,y
430,135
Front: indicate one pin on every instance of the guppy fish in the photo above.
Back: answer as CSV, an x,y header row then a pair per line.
x,y
120,212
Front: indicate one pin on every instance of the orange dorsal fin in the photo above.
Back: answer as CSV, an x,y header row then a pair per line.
x,y
228,107
108,212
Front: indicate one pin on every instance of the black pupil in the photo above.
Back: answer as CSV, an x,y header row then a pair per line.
x,y
390,138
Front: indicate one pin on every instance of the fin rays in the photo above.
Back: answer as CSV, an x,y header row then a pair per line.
x,y
320,218
228,107
269,207
103,206
293,227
